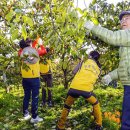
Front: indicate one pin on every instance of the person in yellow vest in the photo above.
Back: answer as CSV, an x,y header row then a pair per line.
x,y
30,77
83,85
46,78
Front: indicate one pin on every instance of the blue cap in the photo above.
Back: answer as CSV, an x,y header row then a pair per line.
x,y
124,13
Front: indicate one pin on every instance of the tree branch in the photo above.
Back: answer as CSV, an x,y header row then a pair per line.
x,y
53,21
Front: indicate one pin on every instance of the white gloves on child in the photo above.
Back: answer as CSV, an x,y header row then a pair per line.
x,y
106,79
40,42
89,25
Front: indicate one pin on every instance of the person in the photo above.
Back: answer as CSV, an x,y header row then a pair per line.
x,y
46,77
119,38
30,76
83,85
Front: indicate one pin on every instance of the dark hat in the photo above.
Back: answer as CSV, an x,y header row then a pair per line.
x,y
124,13
47,49
94,54
28,40
24,43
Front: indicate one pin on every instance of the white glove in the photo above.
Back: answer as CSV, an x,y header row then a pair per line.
x,y
40,41
89,25
106,79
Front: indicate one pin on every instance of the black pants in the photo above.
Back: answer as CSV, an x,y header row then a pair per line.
x,y
47,79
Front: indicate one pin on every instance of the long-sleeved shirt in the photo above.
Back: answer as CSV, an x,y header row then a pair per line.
x,y
119,38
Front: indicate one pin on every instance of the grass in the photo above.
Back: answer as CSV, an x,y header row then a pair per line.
x,y
80,117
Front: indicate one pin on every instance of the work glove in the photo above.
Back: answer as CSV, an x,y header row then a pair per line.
x,y
89,25
106,79
40,42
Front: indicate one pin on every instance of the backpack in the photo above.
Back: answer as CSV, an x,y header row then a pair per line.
x,y
29,55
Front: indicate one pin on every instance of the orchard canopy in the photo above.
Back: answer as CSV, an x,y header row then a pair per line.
x,y
61,26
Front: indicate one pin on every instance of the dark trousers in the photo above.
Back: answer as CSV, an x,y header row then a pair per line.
x,y
46,89
31,89
125,121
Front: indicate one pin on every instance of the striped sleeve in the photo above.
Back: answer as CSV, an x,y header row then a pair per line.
x,y
117,38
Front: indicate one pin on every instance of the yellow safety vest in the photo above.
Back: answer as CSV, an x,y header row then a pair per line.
x,y
86,77
32,71
45,68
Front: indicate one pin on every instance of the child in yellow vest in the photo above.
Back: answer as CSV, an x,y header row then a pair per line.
x,y
82,85
30,77
46,77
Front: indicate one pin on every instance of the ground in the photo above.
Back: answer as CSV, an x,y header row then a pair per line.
x,y
80,117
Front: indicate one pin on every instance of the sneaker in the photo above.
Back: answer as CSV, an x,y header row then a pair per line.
x,y
98,127
36,120
50,104
26,117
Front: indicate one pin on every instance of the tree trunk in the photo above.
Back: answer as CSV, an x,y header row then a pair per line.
x,y
65,79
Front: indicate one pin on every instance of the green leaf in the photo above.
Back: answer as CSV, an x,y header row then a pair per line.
x,y
15,34
1,38
17,19
95,21
28,20
24,32
80,23
64,65
6,126
80,40
94,2
73,14
9,16
79,10
38,1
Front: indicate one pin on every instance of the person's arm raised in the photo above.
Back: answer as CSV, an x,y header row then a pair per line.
x,y
117,38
